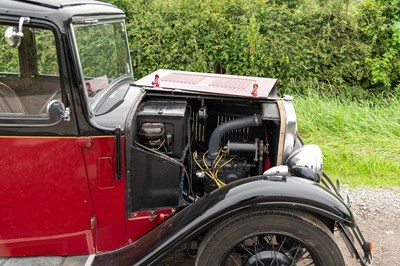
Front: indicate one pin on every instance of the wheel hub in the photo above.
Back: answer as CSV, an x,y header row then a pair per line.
x,y
269,257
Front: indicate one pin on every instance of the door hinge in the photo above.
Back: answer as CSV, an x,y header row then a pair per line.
x,y
84,142
93,223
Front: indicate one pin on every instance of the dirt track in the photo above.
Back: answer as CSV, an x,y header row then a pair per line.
x,y
378,215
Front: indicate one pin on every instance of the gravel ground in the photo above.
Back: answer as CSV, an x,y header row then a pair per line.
x,y
378,215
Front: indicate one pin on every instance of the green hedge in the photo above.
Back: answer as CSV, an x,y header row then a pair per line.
x,y
381,28
349,48
342,47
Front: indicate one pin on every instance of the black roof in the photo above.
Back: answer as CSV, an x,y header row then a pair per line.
x,y
56,11
59,3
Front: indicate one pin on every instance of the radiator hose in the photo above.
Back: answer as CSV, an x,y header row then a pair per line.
x,y
219,132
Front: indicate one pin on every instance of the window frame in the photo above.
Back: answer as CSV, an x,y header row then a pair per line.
x,y
77,22
36,120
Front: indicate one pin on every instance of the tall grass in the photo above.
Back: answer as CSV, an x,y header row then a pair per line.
x,y
360,140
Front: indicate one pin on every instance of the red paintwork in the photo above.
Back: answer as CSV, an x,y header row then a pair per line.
x,y
105,172
255,90
60,196
155,82
140,223
108,200
45,202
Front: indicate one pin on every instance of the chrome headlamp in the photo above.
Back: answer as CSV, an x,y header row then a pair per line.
x,y
306,162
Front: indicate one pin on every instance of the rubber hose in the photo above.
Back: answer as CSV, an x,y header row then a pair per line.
x,y
219,132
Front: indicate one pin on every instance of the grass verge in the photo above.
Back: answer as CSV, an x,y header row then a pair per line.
x,y
360,141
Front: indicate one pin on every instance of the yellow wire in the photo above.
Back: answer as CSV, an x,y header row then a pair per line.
x,y
204,159
216,180
207,173
215,165
211,174
219,154
230,160
219,159
194,158
216,173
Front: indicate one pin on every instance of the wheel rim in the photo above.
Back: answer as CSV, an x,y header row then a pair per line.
x,y
273,249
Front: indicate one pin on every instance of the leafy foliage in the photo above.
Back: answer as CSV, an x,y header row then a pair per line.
x,y
46,53
8,57
381,25
102,50
334,46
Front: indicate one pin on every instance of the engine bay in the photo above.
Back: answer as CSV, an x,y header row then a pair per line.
x,y
185,148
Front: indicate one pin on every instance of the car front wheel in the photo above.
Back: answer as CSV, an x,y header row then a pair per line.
x,y
270,237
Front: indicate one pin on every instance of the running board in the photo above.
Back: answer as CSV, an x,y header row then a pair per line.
x,y
84,260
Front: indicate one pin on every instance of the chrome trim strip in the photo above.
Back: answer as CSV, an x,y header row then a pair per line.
x,y
282,131
291,127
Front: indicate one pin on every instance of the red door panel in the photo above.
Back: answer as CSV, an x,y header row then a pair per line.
x,y
44,201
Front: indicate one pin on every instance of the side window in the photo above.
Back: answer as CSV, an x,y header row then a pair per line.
x,y
46,53
29,74
9,62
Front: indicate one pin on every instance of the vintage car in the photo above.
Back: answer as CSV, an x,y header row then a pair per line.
x,y
100,169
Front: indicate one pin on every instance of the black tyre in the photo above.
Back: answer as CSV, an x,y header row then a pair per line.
x,y
270,237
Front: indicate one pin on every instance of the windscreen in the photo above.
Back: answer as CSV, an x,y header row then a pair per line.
x,y
103,54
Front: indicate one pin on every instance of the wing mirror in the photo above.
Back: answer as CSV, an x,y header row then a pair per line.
x,y
13,37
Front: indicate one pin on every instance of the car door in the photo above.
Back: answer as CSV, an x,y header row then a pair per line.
x,y
45,203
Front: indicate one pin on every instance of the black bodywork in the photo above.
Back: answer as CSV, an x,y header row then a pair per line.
x,y
253,193
244,194
143,192
56,16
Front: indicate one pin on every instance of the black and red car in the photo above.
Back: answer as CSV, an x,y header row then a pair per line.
x,y
102,169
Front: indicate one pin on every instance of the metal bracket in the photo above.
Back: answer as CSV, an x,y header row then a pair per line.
x,y
67,114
